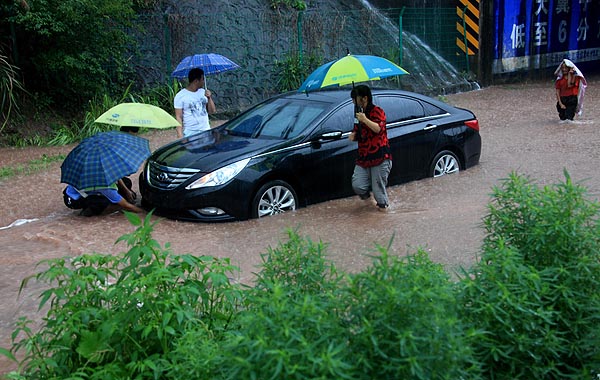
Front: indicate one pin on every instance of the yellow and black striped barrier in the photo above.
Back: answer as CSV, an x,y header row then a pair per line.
x,y
468,26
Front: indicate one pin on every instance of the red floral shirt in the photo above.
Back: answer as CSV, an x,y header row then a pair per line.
x,y
373,148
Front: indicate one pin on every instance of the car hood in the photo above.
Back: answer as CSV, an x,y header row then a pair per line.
x,y
210,150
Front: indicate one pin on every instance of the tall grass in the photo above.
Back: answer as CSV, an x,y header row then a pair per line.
x,y
161,96
10,87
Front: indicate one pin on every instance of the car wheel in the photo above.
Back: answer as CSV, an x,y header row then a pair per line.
x,y
445,162
272,198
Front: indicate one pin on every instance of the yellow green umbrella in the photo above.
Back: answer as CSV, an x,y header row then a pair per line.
x,y
138,115
351,69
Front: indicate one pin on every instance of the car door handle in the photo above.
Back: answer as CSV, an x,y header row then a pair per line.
x,y
336,135
430,126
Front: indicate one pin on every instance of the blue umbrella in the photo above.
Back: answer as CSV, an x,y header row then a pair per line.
x,y
211,64
100,160
351,69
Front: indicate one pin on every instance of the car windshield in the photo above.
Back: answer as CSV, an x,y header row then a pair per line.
x,y
278,119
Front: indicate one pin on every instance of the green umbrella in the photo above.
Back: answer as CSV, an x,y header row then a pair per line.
x,y
138,115
351,69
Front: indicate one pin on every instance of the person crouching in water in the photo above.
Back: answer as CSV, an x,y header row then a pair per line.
x,y
98,200
374,161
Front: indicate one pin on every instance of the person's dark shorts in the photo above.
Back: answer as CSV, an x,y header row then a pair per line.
x,y
93,204
75,204
570,103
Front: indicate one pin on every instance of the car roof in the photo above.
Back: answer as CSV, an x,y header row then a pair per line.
x,y
339,94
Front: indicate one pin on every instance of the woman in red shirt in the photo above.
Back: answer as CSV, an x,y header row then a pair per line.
x,y
374,160
567,85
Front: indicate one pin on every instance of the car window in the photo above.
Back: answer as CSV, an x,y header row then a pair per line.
x,y
431,110
280,119
341,119
398,108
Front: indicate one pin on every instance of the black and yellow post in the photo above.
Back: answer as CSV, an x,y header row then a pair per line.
x,y
467,26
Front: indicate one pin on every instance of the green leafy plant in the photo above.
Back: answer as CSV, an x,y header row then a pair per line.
x,y
294,4
292,71
298,265
536,291
529,309
405,323
10,87
75,48
161,96
291,326
119,316
304,320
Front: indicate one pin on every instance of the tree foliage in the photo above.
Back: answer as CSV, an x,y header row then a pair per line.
x,y
71,50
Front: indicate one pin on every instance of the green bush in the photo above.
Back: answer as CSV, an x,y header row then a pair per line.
x,y
405,324
160,96
116,317
291,326
536,291
294,4
530,309
293,70
74,48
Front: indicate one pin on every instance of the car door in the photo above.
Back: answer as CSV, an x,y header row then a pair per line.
x,y
331,162
412,133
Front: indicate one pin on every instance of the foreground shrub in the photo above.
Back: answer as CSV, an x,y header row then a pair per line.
x,y
116,317
536,290
404,322
530,309
291,326
305,320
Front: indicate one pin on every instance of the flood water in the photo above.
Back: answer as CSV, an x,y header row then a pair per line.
x,y
520,132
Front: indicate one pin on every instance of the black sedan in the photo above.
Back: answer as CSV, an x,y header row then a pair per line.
x,y
293,150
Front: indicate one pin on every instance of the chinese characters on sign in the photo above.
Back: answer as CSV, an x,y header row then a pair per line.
x,y
543,32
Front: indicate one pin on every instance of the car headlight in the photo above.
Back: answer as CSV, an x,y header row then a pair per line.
x,y
219,176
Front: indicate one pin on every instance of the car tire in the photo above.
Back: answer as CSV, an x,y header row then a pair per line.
x,y
445,162
272,198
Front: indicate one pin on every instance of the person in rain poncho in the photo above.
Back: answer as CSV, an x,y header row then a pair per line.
x,y
570,87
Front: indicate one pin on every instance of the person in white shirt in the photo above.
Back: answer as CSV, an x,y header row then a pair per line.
x,y
192,105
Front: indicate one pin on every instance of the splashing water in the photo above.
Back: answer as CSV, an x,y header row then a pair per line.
x,y
430,72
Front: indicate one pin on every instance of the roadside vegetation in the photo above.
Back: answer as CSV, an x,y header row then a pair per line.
x,y
64,62
57,56
528,309
31,166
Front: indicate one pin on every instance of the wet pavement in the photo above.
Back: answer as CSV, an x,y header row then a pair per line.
x,y
520,132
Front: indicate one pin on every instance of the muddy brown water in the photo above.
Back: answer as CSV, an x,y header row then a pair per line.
x,y
520,132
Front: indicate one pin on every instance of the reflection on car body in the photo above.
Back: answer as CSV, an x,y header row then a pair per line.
x,y
293,150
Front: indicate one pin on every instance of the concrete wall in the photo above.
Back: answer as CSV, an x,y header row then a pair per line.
x,y
259,38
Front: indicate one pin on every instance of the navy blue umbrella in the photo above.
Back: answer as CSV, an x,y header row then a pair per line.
x,y
211,64
100,160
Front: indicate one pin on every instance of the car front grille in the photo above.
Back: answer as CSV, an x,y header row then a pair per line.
x,y
166,177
